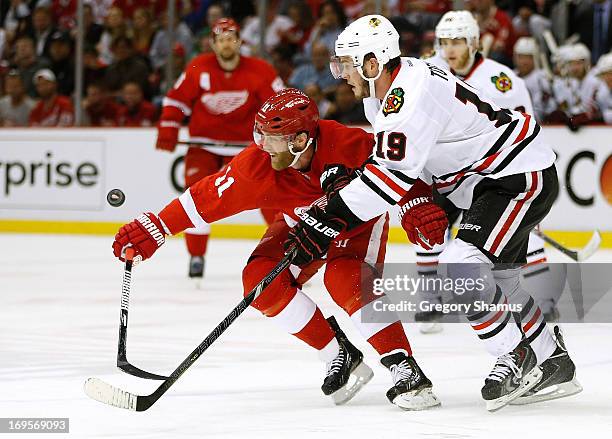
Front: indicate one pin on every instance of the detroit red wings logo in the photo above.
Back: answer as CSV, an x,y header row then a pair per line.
x,y
394,101
224,102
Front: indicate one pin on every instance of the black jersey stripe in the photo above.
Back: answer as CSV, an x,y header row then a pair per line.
x,y
378,191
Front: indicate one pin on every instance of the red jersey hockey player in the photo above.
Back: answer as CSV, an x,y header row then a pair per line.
x,y
299,151
220,92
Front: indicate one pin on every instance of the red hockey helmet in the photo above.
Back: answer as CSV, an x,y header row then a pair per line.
x,y
286,114
223,25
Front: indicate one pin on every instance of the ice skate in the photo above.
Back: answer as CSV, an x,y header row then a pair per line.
x,y
558,377
411,389
347,373
513,375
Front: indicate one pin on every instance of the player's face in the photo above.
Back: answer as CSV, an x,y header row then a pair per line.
x,y
343,67
524,64
226,46
577,69
456,52
607,78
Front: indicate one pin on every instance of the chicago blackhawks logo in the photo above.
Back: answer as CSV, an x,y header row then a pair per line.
x,y
374,22
394,101
502,82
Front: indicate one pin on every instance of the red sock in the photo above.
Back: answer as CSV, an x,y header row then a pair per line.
x,y
196,244
317,332
390,338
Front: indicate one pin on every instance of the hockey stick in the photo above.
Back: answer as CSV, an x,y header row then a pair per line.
x,y
122,361
101,391
580,255
219,145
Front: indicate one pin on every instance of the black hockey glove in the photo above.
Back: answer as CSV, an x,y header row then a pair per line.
x,y
313,235
335,177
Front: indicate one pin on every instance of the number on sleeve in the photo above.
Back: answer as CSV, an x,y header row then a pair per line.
x,y
224,182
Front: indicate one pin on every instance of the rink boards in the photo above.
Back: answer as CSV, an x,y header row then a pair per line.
x,y
56,180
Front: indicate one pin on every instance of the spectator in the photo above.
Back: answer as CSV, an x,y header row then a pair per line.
x,y
128,7
331,22
282,60
346,109
276,25
593,22
213,13
144,30
52,110
99,9
16,106
93,69
127,67
137,112
160,48
99,109
424,13
496,33
298,35
26,62
315,93
316,71
179,59
115,27
42,24
62,64
16,19
603,70
64,13
93,30
528,22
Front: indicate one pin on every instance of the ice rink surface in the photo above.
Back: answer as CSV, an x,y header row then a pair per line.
x,y
59,307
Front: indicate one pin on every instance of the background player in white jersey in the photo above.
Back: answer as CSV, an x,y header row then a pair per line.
x,y
484,160
579,94
603,70
457,43
538,81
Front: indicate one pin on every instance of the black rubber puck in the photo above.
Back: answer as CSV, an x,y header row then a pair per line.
x,y
115,197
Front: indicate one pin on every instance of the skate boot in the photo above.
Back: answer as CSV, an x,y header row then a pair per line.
x,y
196,267
411,389
429,321
347,373
513,375
558,378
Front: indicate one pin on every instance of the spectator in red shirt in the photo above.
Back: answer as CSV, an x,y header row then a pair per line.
x,y
496,31
99,109
64,13
53,110
137,112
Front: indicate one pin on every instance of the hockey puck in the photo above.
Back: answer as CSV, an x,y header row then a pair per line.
x,y
115,197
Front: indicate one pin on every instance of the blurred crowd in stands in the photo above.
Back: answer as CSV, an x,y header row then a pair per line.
x,y
127,46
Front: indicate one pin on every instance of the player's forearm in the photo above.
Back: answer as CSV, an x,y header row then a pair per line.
x,y
180,214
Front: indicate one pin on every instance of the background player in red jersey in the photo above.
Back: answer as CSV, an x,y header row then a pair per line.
x,y
294,152
220,92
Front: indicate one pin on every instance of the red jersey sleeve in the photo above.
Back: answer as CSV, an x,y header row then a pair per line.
x,y
178,102
244,183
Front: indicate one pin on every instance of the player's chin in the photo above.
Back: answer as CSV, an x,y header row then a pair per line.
x,y
280,161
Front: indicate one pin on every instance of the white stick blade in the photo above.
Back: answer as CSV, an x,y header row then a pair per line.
x,y
101,391
591,247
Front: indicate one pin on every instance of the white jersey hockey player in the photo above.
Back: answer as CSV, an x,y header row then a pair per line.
x,y
537,80
489,162
457,39
603,70
578,93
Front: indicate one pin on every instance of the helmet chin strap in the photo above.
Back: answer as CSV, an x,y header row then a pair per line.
x,y
298,154
371,80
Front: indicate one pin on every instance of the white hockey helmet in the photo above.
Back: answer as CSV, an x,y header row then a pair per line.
x,y
604,64
571,52
369,34
459,24
528,46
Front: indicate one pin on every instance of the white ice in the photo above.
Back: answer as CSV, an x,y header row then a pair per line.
x,y
59,306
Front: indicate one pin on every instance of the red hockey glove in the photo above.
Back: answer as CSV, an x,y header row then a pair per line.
x,y
145,235
424,221
313,235
167,135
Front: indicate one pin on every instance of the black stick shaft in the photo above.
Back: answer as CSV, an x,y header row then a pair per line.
x,y
571,253
144,402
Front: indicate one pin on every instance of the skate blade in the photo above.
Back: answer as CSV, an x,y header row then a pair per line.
x,y
360,376
417,400
555,391
527,383
430,327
